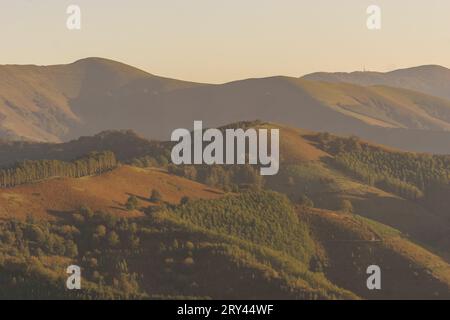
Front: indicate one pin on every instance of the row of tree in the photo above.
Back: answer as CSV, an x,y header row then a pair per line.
x,y
35,170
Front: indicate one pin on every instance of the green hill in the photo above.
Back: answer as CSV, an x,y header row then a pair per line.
x,y
338,205
170,253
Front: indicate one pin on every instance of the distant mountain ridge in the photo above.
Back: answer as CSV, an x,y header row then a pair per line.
x,y
430,79
64,102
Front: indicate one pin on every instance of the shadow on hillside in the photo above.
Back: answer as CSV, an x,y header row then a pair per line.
x,y
406,216
61,214
138,197
213,191
119,206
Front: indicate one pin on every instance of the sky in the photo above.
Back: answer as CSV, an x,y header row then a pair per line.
x,y
218,41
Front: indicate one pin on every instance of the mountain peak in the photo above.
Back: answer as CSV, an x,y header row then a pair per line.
x,y
95,60
111,65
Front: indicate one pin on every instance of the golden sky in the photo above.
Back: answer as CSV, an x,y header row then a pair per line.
x,y
224,40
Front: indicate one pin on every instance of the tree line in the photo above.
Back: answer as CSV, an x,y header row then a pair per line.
x,y
35,170
409,175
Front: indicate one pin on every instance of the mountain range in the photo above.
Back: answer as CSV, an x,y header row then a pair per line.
x,y
407,109
86,179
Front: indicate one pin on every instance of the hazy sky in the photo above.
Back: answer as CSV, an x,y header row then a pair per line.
x,y
223,40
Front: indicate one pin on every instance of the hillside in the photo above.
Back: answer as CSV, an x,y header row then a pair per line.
x,y
109,192
64,102
430,79
337,205
167,254
311,165
350,242
53,103
383,106
125,144
255,245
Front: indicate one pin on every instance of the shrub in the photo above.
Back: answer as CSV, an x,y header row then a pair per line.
x,y
132,203
346,206
184,200
155,196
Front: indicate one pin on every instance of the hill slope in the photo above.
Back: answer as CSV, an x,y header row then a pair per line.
x,y
351,242
107,192
311,165
48,103
254,243
59,103
432,79
125,144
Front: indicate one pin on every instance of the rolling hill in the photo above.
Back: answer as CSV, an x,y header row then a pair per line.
x,y
125,144
260,241
43,103
64,102
430,79
308,166
349,242
54,197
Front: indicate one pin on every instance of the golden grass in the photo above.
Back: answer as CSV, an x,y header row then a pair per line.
x,y
107,192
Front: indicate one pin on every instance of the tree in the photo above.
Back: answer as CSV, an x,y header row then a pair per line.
x,y
155,196
71,249
113,239
86,212
100,231
346,206
33,170
131,203
189,261
184,200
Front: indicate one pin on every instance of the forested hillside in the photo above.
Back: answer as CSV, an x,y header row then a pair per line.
x,y
167,254
423,178
143,228
125,144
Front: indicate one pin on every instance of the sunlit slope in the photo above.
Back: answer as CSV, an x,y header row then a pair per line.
x,y
63,102
261,227
250,243
383,106
307,168
430,79
217,248
106,192
54,103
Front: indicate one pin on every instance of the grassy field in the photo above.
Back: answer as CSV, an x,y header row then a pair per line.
x,y
108,192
